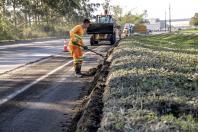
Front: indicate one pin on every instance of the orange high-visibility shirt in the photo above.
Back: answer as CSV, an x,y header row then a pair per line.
x,y
76,51
77,30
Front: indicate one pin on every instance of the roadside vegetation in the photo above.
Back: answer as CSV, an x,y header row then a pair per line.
x,y
153,85
194,20
26,19
189,31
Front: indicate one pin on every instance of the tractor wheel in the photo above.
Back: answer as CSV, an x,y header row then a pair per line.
x,y
96,42
113,39
92,40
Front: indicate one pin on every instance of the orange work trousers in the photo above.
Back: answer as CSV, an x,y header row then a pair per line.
x,y
76,53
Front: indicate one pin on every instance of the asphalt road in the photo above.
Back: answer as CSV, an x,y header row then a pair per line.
x,y
13,56
52,95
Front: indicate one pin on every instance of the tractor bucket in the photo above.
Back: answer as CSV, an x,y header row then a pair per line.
x,y
100,28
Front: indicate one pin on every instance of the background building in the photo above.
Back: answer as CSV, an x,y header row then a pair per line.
x,y
153,24
181,23
156,24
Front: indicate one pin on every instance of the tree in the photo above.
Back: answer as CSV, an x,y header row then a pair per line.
x,y
117,13
42,15
88,8
194,20
128,17
106,5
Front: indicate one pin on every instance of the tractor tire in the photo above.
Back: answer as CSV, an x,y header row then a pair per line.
x,y
96,42
113,39
93,42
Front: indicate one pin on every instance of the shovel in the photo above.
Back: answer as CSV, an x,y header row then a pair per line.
x,y
92,51
79,38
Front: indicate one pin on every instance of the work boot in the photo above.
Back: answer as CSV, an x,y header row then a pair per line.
x,y
78,75
78,70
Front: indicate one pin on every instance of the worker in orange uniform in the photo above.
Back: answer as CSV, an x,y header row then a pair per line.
x,y
76,45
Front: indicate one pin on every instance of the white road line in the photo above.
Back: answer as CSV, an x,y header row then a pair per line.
x,y
13,95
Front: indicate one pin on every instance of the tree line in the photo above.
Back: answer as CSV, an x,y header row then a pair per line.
x,y
34,18
194,20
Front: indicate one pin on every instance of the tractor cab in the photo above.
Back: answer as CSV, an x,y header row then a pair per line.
x,y
103,29
104,19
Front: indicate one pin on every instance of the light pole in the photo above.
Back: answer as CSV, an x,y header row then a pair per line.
x,y
165,21
170,18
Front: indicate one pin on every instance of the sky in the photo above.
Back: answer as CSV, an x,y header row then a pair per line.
x,y
157,8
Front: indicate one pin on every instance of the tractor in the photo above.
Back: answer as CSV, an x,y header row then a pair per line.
x,y
104,29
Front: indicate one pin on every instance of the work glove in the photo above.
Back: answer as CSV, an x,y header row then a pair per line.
x,y
85,48
75,42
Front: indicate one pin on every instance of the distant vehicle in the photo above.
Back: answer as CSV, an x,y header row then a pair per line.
x,y
140,28
130,29
125,32
149,31
128,25
103,30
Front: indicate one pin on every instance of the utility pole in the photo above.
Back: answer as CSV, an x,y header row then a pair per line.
x,y
165,21
170,19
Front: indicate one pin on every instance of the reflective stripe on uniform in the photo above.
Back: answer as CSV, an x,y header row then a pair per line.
x,y
78,37
78,59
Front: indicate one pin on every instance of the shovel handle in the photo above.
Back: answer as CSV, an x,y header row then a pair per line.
x,y
93,51
96,53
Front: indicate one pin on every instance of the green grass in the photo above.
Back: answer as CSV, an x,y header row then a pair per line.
x,y
153,85
189,31
179,41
